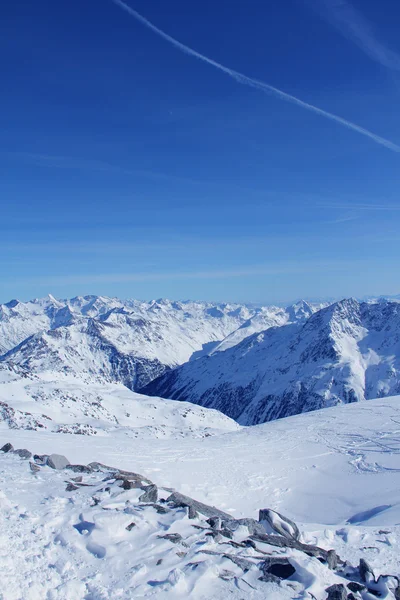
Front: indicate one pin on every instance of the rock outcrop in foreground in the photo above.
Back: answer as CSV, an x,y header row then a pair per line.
x,y
105,513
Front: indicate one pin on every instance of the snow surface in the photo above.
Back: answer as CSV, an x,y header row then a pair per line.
x,y
69,405
336,472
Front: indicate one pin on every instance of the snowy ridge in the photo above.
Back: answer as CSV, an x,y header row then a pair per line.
x,y
346,352
69,405
100,532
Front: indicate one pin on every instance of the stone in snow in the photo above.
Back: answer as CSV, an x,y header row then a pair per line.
x,y
355,587
279,523
79,468
366,571
150,494
7,447
22,452
337,592
57,461
179,500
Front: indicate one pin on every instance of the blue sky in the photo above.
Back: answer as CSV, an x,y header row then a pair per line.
x,y
131,168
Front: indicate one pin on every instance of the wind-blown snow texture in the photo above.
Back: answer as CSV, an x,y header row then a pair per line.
x,y
346,352
336,472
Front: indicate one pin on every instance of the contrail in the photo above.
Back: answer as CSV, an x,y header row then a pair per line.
x,y
353,25
260,85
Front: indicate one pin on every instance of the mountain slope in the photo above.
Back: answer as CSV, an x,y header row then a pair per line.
x,y
346,352
66,404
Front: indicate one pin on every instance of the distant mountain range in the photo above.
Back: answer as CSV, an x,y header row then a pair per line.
x,y
101,339
346,352
254,364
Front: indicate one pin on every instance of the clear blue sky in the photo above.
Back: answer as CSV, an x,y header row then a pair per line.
x,y
130,168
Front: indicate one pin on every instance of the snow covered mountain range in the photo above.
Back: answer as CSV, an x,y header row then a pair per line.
x,y
346,352
254,364
101,339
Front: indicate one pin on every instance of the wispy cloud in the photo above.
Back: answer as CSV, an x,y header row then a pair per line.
x,y
354,26
71,162
241,272
254,83
361,206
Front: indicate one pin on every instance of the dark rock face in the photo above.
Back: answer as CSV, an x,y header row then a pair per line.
x,y
22,452
366,572
57,461
337,592
277,568
7,448
355,587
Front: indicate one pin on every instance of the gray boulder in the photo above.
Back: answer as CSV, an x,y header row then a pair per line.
x,y
366,572
150,493
279,523
252,525
57,461
22,452
336,592
180,500
79,468
7,448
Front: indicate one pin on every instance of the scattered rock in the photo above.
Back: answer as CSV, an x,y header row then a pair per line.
x,y
336,592
216,535
215,522
7,448
79,468
130,484
180,500
241,562
366,572
57,461
279,523
332,559
278,567
192,513
22,452
71,487
175,538
355,587
281,542
33,467
252,525
226,533
130,526
150,493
